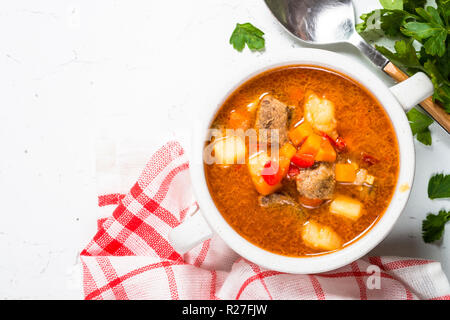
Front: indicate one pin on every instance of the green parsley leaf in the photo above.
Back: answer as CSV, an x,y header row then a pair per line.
x,y
439,71
360,27
436,35
392,4
248,34
391,22
405,54
424,137
433,226
439,186
444,9
411,5
419,123
430,14
381,22
436,77
423,41
418,120
443,65
434,31
443,95
419,30
435,45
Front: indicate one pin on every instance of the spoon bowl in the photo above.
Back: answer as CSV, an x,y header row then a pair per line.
x,y
316,22
323,22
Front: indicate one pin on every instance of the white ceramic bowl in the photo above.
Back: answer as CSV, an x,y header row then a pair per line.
x,y
196,229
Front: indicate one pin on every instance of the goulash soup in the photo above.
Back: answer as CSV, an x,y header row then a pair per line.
x,y
323,167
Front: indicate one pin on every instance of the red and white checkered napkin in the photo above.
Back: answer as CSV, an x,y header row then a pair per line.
x,y
130,258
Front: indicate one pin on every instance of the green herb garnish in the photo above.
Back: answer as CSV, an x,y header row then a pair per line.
x,y
392,4
247,33
433,226
419,123
422,37
439,186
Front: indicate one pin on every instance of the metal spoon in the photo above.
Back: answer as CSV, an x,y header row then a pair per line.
x,y
333,21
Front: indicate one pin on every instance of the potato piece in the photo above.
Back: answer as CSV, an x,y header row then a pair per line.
x,y
229,150
256,164
319,112
361,176
263,187
257,161
346,207
369,179
318,236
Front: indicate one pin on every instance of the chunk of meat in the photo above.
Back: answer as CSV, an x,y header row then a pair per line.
x,y
276,200
319,112
272,114
317,182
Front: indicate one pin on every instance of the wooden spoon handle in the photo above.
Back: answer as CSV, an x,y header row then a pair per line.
x,y
434,109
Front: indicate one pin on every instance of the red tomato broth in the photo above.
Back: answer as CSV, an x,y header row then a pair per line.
x,y
363,124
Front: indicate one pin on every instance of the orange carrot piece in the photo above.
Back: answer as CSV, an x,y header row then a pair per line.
x,y
345,172
311,145
299,134
237,120
326,152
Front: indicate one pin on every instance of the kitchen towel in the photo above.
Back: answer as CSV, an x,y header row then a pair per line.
x,y
130,258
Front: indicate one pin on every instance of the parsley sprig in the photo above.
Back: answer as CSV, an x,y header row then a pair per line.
x,y
433,225
439,186
422,35
419,123
246,33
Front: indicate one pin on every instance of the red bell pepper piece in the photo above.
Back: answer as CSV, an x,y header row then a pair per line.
x,y
303,160
339,143
271,173
370,160
293,171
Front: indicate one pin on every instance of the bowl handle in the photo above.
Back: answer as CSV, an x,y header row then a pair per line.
x,y
417,89
413,90
190,233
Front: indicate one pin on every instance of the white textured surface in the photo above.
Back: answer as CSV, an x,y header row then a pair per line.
x,y
133,71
